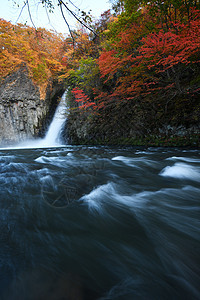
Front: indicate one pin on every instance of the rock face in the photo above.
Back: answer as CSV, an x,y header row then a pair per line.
x,y
23,114
135,127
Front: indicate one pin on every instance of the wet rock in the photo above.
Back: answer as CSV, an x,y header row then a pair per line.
x,y
23,114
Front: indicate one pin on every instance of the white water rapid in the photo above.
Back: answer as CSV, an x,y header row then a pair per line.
x,y
99,222
53,135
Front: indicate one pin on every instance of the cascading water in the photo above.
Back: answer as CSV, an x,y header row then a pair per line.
x,y
53,135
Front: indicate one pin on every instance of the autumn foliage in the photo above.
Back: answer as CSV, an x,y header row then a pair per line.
x,y
156,62
41,50
176,46
82,99
145,49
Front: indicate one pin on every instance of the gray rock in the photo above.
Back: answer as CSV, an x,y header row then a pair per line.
x,y
23,114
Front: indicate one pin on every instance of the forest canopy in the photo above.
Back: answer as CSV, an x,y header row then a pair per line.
x,y
40,49
139,49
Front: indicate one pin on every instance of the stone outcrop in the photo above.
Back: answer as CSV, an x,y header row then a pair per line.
x,y
23,114
135,127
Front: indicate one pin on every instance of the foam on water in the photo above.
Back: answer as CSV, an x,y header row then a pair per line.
x,y
181,171
52,159
124,232
186,159
133,161
109,194
94,198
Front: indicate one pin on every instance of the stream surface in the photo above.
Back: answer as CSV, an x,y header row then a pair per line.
x,y
81,222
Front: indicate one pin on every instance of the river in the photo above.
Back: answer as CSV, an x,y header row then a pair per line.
x,y
88,223
81,222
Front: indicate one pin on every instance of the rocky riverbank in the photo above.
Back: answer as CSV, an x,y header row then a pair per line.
x,y
137,124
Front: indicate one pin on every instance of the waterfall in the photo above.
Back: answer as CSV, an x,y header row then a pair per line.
x,y
52,137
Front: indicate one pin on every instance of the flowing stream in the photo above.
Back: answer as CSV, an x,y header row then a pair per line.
x,y
81,222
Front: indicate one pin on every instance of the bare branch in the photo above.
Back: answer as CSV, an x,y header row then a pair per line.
x,y
21,12
30,16
73,5
61,4
74,15
71,34
47,13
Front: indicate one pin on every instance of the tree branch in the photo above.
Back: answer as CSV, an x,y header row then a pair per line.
x,y
74,15
21,12
73,5
30,16
71,34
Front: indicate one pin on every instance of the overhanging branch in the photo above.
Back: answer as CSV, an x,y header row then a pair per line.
x,y
30,16
74,15
21,12
71,34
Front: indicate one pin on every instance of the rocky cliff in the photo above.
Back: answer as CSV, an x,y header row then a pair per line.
x,y
138,124
23,114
